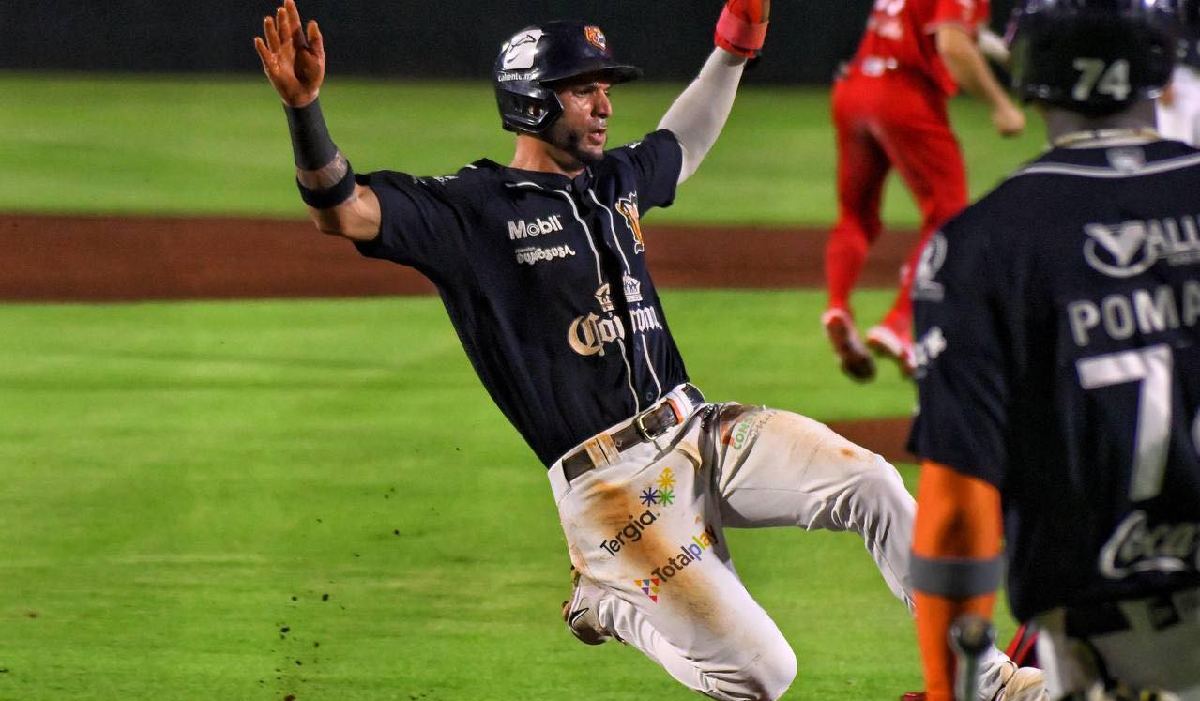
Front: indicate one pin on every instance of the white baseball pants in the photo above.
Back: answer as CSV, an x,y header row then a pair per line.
x,y
649,528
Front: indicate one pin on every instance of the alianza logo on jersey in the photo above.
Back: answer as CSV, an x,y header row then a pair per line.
x,y
628,207
1135,547
533,256
538,227
1130,248
689,552
589,333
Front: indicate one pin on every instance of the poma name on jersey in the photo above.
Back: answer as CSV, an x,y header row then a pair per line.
x,y
537,227
1143,310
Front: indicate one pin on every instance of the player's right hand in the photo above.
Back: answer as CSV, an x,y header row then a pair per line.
x,y
292,58
742,27
1008,119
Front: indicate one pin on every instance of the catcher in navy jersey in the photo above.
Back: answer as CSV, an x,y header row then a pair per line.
x,y
541,266
1058,327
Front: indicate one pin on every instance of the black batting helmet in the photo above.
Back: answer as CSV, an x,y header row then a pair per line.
x,y
538,57
1094,57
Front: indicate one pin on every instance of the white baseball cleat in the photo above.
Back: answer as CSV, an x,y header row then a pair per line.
x,y
581,612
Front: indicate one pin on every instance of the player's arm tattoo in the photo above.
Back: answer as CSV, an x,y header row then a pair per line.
x,y
326,176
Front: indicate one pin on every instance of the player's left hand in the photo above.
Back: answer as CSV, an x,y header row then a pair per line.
x,y
1008,119
293,56
742,28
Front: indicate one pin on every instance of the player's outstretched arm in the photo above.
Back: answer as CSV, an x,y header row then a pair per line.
x,y
293,57
970,70
699,113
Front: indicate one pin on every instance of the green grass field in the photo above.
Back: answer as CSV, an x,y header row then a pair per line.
x,y
185,481
184,145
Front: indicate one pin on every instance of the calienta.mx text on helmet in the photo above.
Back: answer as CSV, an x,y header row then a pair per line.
x,y
1093,57
537,58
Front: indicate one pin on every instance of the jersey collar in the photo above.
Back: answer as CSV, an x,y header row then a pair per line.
x,y
535,180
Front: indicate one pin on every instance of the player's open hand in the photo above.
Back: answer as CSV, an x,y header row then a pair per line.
x,y
293,58
1008,119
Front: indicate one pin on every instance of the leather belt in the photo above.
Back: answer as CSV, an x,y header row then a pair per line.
x,y
648,425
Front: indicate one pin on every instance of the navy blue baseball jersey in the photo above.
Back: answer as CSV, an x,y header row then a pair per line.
x,y
544,278
1058,343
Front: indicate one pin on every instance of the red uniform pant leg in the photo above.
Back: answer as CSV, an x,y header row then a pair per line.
x,y
862,170
915,133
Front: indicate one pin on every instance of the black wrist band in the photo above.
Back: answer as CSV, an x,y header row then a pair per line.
x,y
331,196
310,139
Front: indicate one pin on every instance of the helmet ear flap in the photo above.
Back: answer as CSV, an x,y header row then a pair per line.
x,y
529,113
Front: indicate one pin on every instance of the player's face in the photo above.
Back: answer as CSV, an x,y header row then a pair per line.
x,y
582,130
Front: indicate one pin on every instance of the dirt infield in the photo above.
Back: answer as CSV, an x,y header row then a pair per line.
x,y
62,259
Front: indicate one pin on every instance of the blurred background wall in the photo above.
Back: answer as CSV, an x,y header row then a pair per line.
x,y
448,39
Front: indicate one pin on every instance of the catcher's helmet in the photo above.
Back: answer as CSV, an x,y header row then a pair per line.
x,y
538,57
1094,57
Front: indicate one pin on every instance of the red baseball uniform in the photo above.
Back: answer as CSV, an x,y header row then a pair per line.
x,y
890,110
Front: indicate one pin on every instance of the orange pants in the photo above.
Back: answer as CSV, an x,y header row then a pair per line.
x,y
895,119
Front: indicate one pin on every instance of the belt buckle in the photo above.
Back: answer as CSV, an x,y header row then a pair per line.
x,y
640,422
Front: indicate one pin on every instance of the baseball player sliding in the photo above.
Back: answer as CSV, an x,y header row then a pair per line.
x,y
890,112
1058,340
541,265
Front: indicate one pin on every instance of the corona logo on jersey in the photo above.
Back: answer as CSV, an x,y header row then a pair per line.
x,y
628,207
588,334
1130,248
689,552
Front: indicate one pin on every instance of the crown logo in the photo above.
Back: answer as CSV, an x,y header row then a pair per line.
x,y
604,297
633,289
